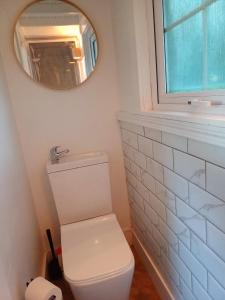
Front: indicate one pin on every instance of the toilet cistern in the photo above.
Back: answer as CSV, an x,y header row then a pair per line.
x,y
55,154
97,261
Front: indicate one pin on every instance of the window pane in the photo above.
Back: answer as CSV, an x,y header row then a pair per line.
x,y
184,52
216,45
194,47
175,9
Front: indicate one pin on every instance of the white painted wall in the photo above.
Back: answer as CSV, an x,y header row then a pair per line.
x,y
20,252
132,27
82,119
126,55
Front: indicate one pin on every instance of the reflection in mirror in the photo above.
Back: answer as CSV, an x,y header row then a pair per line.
x,y
55,44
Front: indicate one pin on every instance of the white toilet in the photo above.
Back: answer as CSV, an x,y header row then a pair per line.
x,y
97,261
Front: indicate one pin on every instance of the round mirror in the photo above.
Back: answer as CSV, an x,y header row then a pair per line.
x,y
56,44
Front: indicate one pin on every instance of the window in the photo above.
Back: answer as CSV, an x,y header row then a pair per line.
x,y
190,50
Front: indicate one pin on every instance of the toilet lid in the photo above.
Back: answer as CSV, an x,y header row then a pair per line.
x,y
94,249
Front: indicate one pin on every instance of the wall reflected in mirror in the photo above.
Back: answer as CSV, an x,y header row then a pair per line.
x,y
55,44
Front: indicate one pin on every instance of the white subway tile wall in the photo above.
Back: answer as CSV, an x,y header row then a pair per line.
x,y
163,154
192,168
153,134
174,141
215,290
207,152
199,292
191,218
176,189
215,179
177,184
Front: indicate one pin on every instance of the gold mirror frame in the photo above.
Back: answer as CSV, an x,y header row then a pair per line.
x,y
75,56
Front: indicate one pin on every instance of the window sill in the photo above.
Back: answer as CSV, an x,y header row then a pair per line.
x,y
202,127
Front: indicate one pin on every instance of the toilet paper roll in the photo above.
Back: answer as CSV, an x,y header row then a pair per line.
x,y
42,289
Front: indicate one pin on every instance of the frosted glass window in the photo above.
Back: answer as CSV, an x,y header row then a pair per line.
x,y
194,40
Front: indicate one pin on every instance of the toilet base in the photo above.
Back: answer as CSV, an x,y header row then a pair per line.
x,y
113,288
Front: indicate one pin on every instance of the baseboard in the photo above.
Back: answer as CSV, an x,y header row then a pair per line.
x,y
153,271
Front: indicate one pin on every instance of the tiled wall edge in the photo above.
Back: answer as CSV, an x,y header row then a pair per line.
x,y
191,126
174,144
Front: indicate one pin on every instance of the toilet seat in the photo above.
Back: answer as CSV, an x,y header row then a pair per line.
x,y
94,250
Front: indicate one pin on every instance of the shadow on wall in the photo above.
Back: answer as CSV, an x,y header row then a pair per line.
x,y
21,248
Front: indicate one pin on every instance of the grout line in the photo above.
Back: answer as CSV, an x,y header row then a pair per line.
x,y
215,196
189,182
193,155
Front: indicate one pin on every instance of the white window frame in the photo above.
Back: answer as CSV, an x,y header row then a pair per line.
x,y
173,101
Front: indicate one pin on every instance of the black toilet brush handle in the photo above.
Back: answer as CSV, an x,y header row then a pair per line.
x,y
50,242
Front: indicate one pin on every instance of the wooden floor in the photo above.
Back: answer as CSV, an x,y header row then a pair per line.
x,y
142,286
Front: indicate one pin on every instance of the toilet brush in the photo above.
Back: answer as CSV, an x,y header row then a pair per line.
x,y
54,270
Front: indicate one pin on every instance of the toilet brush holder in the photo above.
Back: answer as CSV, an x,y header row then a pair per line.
x,y
54,270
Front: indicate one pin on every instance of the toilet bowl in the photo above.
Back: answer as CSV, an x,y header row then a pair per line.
x,y
97,261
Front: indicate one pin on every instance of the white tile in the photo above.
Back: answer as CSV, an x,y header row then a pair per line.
x,y
142,190
148,224
199,292
135,156
153,134
181,230
207,205
157,205
130,138
172,286
152,246
191,218
130,189
148,181
168,235
160,240
131,179
138,200
190,167
129,151
180,267
138,211
135,170
176,184
215,289
151,214
125,149
175,141
140,160
215,179
165,196
210,260
186,292
132,127
155,169
193,264
145,146
163,154
126,163
170,270
137,216
140,234
209,152
216,240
